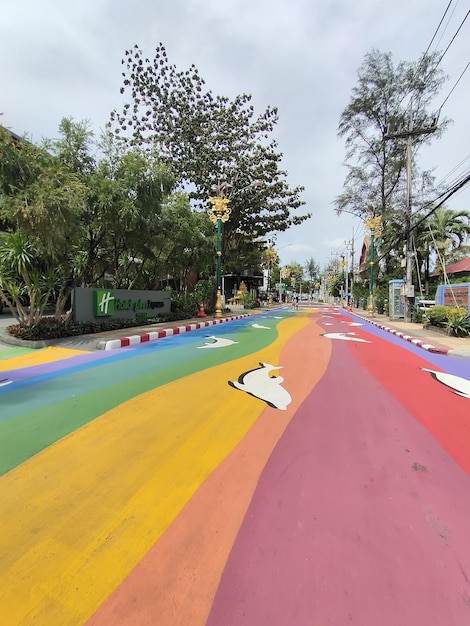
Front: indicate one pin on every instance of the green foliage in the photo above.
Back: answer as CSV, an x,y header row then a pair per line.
x,y
209,141
437,315
26,283
312,269
418,316
458,321
51,328
360,293
247,300
184,305
334,286
204,292
448,230
376,168
381,300
379,103
455,319
74,217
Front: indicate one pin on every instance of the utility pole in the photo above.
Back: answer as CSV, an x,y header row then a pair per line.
x,y
408,134
350,245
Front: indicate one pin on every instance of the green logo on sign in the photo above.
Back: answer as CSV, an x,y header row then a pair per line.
x,y
104,303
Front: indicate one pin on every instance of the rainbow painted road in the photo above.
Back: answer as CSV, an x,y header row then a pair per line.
x,y
294,468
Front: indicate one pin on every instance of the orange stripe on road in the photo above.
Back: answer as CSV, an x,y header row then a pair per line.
x,y
178,578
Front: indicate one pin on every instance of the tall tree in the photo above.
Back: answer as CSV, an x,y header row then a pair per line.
x,y
209,141
312,269
386,96
125,190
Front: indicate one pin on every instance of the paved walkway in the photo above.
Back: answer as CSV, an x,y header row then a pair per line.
x,y
429,339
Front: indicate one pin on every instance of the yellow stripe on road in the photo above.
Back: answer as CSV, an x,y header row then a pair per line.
x,y
77,517
39,357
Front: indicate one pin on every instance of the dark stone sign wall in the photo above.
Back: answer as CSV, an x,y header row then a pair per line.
x,y
95,305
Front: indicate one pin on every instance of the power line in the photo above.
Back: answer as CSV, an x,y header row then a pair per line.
x,y
452,40
445,196
455,85
448,21
423,58
437,30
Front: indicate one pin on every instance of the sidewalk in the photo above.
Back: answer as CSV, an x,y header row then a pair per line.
x,y
428,339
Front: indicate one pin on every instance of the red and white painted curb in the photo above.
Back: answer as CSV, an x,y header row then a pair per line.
x,y
123,342
413,340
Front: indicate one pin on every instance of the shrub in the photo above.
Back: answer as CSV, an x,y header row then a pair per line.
x,y
184,306
458,322
204,292
247,300
437,315
381,300
418,315
455,319
50,328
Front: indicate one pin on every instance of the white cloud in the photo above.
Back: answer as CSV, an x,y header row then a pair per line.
x,y
64,59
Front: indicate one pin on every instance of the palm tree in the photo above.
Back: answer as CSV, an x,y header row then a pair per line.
x,y
313,270
448,231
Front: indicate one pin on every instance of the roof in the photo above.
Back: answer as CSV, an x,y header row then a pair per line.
x,y
457,268
13,135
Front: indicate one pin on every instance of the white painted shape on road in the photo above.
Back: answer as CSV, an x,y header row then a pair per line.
x,y
460,386
219,342
261,385
259,326
345,337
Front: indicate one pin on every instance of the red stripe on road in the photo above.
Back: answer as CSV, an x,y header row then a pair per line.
x,y
441,411
359,516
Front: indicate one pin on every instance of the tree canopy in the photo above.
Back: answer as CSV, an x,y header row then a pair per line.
x,y
208,141
387,97
77,212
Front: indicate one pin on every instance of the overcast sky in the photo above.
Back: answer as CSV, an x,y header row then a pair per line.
x,y
62,59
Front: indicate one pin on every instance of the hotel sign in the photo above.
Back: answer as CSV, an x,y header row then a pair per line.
x,y
101,304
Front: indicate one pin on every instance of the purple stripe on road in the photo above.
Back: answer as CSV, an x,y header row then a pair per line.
x,y
342,527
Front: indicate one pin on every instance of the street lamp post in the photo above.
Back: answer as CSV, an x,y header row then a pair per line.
x,y
218,213
375,226
281,270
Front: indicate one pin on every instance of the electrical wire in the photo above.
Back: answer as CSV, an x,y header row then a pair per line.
x,y
448,22
455,85
423,58
446,195
437,30
451,41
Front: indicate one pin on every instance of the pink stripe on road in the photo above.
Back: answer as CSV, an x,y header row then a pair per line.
x,y
360,517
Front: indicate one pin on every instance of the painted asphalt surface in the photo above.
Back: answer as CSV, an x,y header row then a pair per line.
x,y
152,485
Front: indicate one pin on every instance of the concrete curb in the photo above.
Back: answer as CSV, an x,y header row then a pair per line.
x,y
113,344
25,343
455,352
416,342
